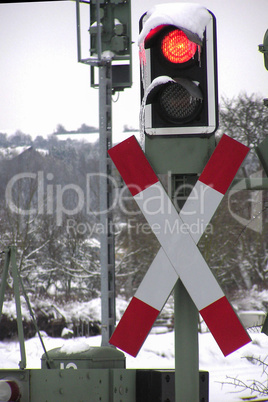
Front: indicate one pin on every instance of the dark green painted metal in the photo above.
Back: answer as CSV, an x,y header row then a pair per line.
x,y
93,357
185,316
250,183
262,148
82,385
264,49
179,155
186,346
10,258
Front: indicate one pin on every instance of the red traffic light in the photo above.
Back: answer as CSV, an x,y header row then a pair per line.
x,y
178,70
177,48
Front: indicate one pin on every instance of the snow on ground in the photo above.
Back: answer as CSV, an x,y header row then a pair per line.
x,y
158,352
158,349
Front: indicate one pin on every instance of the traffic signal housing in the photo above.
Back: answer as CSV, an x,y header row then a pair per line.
x,y
115,18
264,49
179,77
115,39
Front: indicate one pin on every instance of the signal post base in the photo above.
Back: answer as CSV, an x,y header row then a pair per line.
x,y
113,385
167,154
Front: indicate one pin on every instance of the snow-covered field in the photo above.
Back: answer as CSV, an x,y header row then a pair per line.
x,y
158,352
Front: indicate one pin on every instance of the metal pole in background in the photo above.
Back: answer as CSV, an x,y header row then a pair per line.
x,y
10,256
4,279
110,34
15,275
107,257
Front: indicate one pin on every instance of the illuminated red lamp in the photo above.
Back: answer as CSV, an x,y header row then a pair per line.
x,y
177,48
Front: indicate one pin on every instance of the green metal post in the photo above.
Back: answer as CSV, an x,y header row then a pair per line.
x,y
107,255
182,159
4,279
15,275
186,346
185,314
262,148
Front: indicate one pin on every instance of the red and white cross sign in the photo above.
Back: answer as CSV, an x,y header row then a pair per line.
x,y
178,256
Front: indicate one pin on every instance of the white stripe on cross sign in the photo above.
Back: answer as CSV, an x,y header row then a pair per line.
x,y
179,256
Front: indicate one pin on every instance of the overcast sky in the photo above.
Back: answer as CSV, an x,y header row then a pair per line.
x,y
42,84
